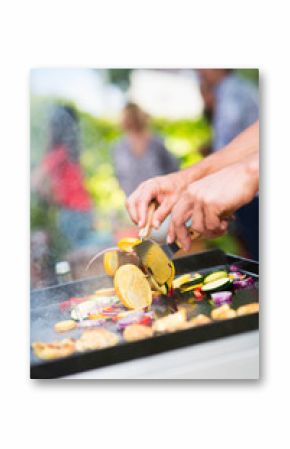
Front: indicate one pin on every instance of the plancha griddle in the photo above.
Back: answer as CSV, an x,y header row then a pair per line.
x,y
45,311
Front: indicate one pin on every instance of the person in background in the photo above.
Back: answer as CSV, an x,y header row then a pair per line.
x,y
59,179
232,105
139,155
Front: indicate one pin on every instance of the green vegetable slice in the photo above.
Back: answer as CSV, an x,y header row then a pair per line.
x,y
215,276
219,284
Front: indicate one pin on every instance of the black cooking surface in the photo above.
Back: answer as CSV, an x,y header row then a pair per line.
x,y
45,312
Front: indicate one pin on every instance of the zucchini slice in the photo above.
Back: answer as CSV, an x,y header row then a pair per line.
x,y
195,280
219,284
215,276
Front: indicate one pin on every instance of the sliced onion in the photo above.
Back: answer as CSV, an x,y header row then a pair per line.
x,y
243,283
236,275
91,323
133,318
220,298
234,267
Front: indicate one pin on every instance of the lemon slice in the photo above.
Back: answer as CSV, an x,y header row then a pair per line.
x,y
132,287
111,262
127,244
177,282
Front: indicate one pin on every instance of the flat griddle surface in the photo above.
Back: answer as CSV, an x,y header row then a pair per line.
x,y
45,312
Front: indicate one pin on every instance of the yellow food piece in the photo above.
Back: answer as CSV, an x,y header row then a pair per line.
x,y
190,288
104,292
177,282
132,287
155,293
157,263
96,339
54,350
223,313
127,244
137,332
200,319
64,326
111,262
170,323
248,309
160,288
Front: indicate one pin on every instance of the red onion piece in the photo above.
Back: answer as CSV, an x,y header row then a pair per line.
x,y
234,267
243,283
236,275
133,318
220,298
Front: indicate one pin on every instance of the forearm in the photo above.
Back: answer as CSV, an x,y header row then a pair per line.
x,y
244,145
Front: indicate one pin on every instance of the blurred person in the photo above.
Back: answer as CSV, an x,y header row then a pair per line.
x,y
231,105
204,193
139,154
59,179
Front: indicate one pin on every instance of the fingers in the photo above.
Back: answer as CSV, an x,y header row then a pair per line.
x,y
142,208
177,230
137,203
212,221
162,212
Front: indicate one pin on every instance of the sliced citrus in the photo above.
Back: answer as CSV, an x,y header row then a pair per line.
x,y
132,287
111,262
127,244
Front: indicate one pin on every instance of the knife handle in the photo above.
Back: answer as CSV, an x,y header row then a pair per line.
x,y
145,232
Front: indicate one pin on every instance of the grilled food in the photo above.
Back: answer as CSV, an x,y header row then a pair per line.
x,y
248,309
54,350
64,326
170,323
132,287
137,332
223,313
111,262
96,339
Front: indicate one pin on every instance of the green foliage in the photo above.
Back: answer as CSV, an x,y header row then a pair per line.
x,y
250,74
183,138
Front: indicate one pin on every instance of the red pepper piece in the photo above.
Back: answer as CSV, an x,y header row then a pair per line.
x,y
198,295
146,320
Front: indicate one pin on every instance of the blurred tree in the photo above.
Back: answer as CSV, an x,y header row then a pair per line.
x,y
250,74
121,77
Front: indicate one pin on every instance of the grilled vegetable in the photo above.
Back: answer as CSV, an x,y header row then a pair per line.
x,y
127,244
132,287
243,283
215,276
198,295
248,309
219,284
111,262
221,298
223,313
180,280
191,287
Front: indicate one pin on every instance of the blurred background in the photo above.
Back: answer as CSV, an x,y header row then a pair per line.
x,y
96,134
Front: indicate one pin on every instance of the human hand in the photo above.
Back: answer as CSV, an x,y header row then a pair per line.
x,y
165,190
210,200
